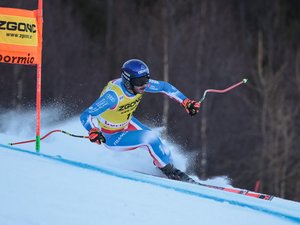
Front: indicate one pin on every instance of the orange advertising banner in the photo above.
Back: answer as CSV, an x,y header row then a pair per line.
x,y
20,38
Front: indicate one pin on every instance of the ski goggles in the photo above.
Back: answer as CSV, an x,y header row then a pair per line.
x,y
140,81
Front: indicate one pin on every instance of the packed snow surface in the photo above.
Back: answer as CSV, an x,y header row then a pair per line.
x,y
73,181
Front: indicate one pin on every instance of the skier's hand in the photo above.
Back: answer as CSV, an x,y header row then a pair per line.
x,y
96,136
192,107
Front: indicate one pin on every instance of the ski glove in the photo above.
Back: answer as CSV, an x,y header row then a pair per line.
x,y
96,136
192,107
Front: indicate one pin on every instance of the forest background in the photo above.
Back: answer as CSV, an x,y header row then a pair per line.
x,y
250,134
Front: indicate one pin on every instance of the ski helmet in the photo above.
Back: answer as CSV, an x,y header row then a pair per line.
x,y
135,73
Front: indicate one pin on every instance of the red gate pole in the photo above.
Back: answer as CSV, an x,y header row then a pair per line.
x,y
39,75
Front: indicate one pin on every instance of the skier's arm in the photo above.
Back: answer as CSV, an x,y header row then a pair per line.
x,y
155,86
106,101
192,107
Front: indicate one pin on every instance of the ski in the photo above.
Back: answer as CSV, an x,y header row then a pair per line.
x,y
239,191
227,189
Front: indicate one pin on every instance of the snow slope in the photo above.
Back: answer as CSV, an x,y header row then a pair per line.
x,y
75,182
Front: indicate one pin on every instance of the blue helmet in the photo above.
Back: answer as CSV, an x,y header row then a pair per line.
x,y
134,73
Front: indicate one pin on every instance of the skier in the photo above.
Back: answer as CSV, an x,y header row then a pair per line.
x,y
119,129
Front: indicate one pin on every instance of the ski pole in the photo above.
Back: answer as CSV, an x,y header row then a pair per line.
x,y
222,91
46,135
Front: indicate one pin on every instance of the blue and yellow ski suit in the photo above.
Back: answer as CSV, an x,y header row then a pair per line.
x,y
113,112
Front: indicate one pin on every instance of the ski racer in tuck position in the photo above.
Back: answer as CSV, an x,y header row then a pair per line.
x,y
116,126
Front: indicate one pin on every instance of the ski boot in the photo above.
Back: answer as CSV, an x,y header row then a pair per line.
x,y
175,174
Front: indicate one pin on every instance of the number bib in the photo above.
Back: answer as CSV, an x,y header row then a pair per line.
x,y
118,118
